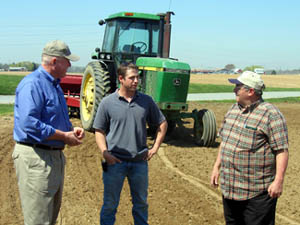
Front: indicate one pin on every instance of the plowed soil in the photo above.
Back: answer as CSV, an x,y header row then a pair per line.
x,y
179,190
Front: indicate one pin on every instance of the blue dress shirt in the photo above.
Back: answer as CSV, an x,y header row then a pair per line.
x,y
40,109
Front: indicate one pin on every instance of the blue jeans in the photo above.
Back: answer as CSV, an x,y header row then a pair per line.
x,y
113,179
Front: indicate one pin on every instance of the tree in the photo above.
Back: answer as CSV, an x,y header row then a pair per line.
x,y
30,66
4,66
251,68
229,67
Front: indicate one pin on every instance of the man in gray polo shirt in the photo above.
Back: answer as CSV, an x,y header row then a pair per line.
x,y
120,131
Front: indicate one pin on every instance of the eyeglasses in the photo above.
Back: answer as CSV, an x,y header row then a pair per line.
x,y
240,86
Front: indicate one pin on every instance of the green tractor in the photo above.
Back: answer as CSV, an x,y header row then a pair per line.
x,y
145,40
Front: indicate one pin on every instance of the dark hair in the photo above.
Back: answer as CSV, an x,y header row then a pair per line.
x,y
121,71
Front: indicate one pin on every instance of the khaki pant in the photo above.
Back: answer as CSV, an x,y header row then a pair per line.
x,y
40,175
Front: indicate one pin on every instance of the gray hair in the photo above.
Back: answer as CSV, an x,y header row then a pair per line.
x,y
258,92
46,59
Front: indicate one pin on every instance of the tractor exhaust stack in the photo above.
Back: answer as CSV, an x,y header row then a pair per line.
x,y
165,34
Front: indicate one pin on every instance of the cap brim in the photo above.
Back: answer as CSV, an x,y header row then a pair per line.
x,y
234,81
72,57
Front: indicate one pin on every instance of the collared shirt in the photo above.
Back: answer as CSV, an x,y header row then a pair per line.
x,y
40,109
250,137
125,123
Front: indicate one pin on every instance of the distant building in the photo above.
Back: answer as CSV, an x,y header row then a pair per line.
x,y
15,68
200,71
237,70
259,71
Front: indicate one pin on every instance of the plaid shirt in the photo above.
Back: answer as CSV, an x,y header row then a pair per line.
x,y
250,136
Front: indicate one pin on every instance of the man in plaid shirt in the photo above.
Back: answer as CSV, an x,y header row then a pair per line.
x,y
253,155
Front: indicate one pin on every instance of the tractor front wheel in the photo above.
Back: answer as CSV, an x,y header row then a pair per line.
x,y
95,85
205,128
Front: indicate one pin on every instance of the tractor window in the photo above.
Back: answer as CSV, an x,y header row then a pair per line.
x,y
134,37
109,36
155,38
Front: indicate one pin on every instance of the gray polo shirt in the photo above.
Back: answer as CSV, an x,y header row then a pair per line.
x,y
125,124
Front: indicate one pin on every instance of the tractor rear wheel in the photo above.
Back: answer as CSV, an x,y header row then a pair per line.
x,y
95,85
205,129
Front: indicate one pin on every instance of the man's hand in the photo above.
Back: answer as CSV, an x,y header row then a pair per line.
x,y
79,132
110,159
214,179
275,189
150,154
215,174
72,139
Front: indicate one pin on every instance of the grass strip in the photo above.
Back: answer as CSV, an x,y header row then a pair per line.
x,y
271,100
6,109
9,84
9,108
212,88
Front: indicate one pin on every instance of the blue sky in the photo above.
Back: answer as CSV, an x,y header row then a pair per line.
x,y
205,34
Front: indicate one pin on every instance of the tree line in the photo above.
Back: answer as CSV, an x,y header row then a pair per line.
x,y
268,71
31,66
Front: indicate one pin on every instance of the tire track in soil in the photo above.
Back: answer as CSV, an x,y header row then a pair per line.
x,y
202,185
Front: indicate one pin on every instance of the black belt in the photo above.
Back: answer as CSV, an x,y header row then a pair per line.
x,y
46,147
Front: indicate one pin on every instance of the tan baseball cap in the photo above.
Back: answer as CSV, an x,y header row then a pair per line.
x,y
250,79
59,48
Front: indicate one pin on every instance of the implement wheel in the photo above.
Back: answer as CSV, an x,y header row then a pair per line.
x,y
95,85
205,128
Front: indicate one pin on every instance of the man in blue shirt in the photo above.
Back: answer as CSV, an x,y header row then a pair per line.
x,y
41,130
120,125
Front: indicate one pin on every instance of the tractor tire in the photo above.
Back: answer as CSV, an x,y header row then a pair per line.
x,y
95,86
205,132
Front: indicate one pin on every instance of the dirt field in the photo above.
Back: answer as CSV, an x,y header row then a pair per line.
x,y
283,81
179,190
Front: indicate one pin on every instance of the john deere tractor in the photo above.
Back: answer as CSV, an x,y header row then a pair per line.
x,y
145,40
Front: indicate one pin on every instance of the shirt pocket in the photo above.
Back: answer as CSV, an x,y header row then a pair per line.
x,y
248,138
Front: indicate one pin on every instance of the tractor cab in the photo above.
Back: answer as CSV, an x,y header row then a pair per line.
x,y
129,36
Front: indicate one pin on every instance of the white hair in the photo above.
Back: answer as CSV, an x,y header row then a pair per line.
x,y
46,59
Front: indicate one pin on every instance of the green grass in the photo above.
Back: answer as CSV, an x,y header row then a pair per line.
x,y
6,109
212,88
9,84
271,100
